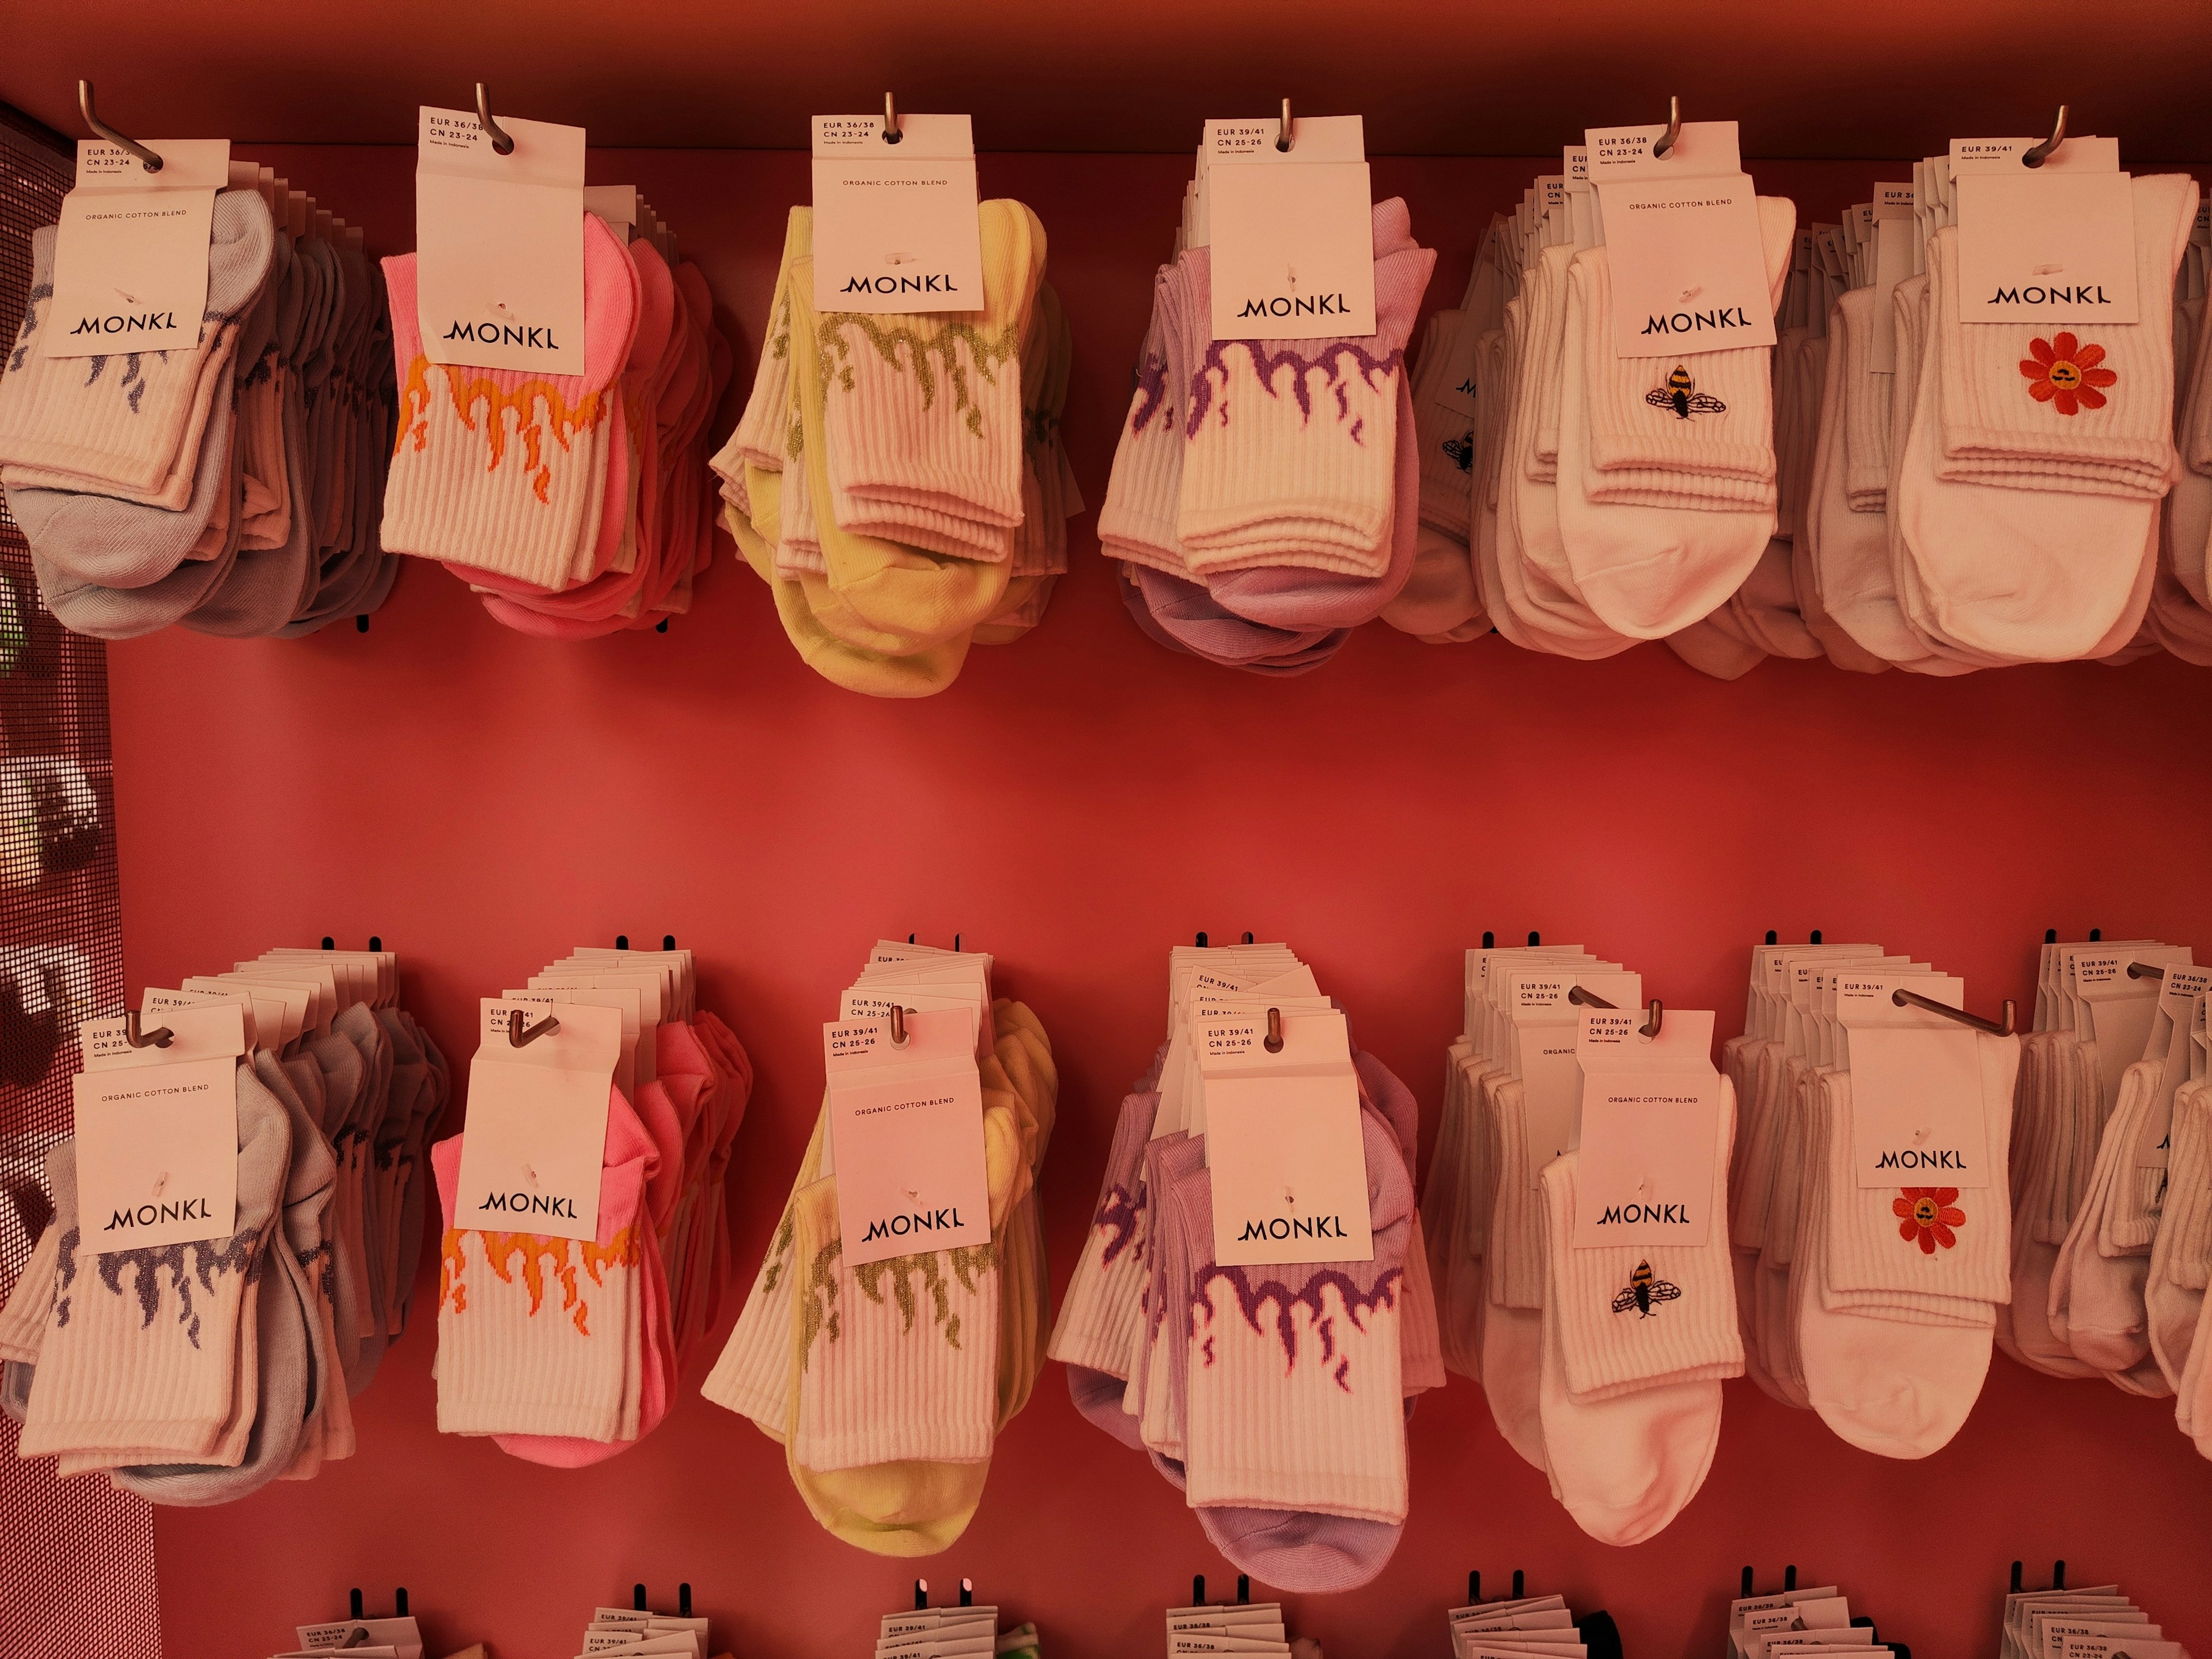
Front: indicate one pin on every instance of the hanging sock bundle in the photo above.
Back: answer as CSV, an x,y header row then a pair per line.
x,y
1265,494
1537,1626
1440,603
233,488
2087,1619
196,1373
2108,1173
2001,502
888,1381
898,481
1622,1415
639,1630
573,504
567,1350
1874,1304
2180,614
1273,1396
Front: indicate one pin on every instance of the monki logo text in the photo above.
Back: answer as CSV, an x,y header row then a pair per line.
x,y
2035,294
1697,322
514,334
934,282
530,1204
1284,1227
919,1221
120,323
1283,305
151,1215
1626,1215
1910,1158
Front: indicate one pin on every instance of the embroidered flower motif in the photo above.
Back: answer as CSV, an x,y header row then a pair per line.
x,y
2064,373
1926,1215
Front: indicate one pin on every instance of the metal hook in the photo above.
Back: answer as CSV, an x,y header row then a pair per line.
x,y
1666,140
1905,998
890,133
1283,133
920,1593
967,1592
156,1038
2145,971
1274,1043
1583,998
519,1038
1655,1017
501,143
2036,155
147,159
898,1026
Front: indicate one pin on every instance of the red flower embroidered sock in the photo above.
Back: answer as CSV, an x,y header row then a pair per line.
x,y
1894,1330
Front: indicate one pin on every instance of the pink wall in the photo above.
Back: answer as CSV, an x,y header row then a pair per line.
x,y
1077,804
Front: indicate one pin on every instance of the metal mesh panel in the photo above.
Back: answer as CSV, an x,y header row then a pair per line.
x,y
77,1577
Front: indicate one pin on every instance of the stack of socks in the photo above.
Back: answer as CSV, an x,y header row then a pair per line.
x,y
898,481
397,1637
1244,1626
1440,603
966,1631
1271,1396
1874,1306
2180,614
574,505
888,1382
1765,617
1800,1624
1523,1626
195,1373
2181,1254
638,1632
2090,1621
1265,494
1623,1417
2117,1043
2008,508
233,488
569,1352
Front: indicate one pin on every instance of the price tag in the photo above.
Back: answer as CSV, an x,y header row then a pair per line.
x,y
535,1145
2054,244
1292,231
157,1132
1651,1129
1283,1141
499,241
906,1126
1688,266
130,251
895,225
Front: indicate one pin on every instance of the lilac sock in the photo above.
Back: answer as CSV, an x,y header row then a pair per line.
x,y
1101,1315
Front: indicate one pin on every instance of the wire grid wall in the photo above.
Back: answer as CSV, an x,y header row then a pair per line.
x,y
78,1578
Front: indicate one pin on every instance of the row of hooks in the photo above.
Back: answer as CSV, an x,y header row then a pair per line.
x,y
921,1594
891,133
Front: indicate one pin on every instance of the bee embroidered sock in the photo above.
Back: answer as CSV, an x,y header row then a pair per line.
x,y
1439,602
1626,1460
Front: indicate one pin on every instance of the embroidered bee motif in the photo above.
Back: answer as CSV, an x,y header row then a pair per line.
x,y
1645,1287
1462,451
1681,395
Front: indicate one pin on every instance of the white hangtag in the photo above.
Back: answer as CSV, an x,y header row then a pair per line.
x,y
130,251
906,1128
1292,231
1283,1141
535,1145
1917,1115
499,243
1650,1128
157,1133
895,225
1688,265
2054,244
